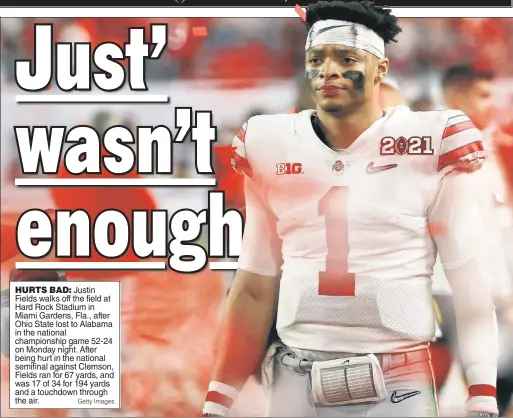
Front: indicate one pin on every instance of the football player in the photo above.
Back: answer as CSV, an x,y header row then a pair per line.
x,y
471,90
338,203
505,153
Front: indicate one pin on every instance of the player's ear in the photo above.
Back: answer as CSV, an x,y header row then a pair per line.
x,y
381,70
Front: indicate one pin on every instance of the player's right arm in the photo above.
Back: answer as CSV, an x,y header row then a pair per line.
x,y
252,301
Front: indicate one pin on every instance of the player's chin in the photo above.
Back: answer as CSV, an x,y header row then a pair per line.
x,y
335,103
333,106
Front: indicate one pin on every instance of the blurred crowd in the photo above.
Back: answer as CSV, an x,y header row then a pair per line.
x,y
241,48
240,52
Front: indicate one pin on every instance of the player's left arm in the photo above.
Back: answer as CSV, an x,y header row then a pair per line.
x,y
463,252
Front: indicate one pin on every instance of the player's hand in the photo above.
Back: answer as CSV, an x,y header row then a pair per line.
x,y
482,406
481,414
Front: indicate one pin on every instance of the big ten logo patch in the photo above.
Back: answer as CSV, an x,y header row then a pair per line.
x,y
289,168
415,145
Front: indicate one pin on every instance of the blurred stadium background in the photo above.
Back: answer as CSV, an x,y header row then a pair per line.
x,y
236,68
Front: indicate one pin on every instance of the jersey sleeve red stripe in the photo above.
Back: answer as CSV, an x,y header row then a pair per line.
x,y
457,128
241,164
453,156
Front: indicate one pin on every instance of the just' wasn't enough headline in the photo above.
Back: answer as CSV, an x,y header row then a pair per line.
x,y
83,154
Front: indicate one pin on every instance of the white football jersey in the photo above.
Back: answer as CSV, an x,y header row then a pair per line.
x,y
350,230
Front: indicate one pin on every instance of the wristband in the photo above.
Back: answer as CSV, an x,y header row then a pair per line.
x,y
482,390
220,398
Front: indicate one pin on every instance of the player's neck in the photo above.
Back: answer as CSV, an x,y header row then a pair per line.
x,y
342,130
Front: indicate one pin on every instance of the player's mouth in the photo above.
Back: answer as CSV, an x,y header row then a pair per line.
x,y
330,89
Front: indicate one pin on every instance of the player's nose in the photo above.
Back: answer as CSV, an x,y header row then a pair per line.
x,y
329,70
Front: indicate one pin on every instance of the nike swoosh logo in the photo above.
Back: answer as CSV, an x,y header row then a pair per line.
x,y
330,28
372,169
399,398
318,32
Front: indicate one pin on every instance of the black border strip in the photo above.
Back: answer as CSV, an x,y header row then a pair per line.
x,y
258,3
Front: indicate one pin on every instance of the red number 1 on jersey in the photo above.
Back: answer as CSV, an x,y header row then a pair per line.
x,y
336,280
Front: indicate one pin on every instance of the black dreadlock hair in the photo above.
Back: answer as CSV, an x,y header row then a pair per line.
x,y
366,13
464,74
